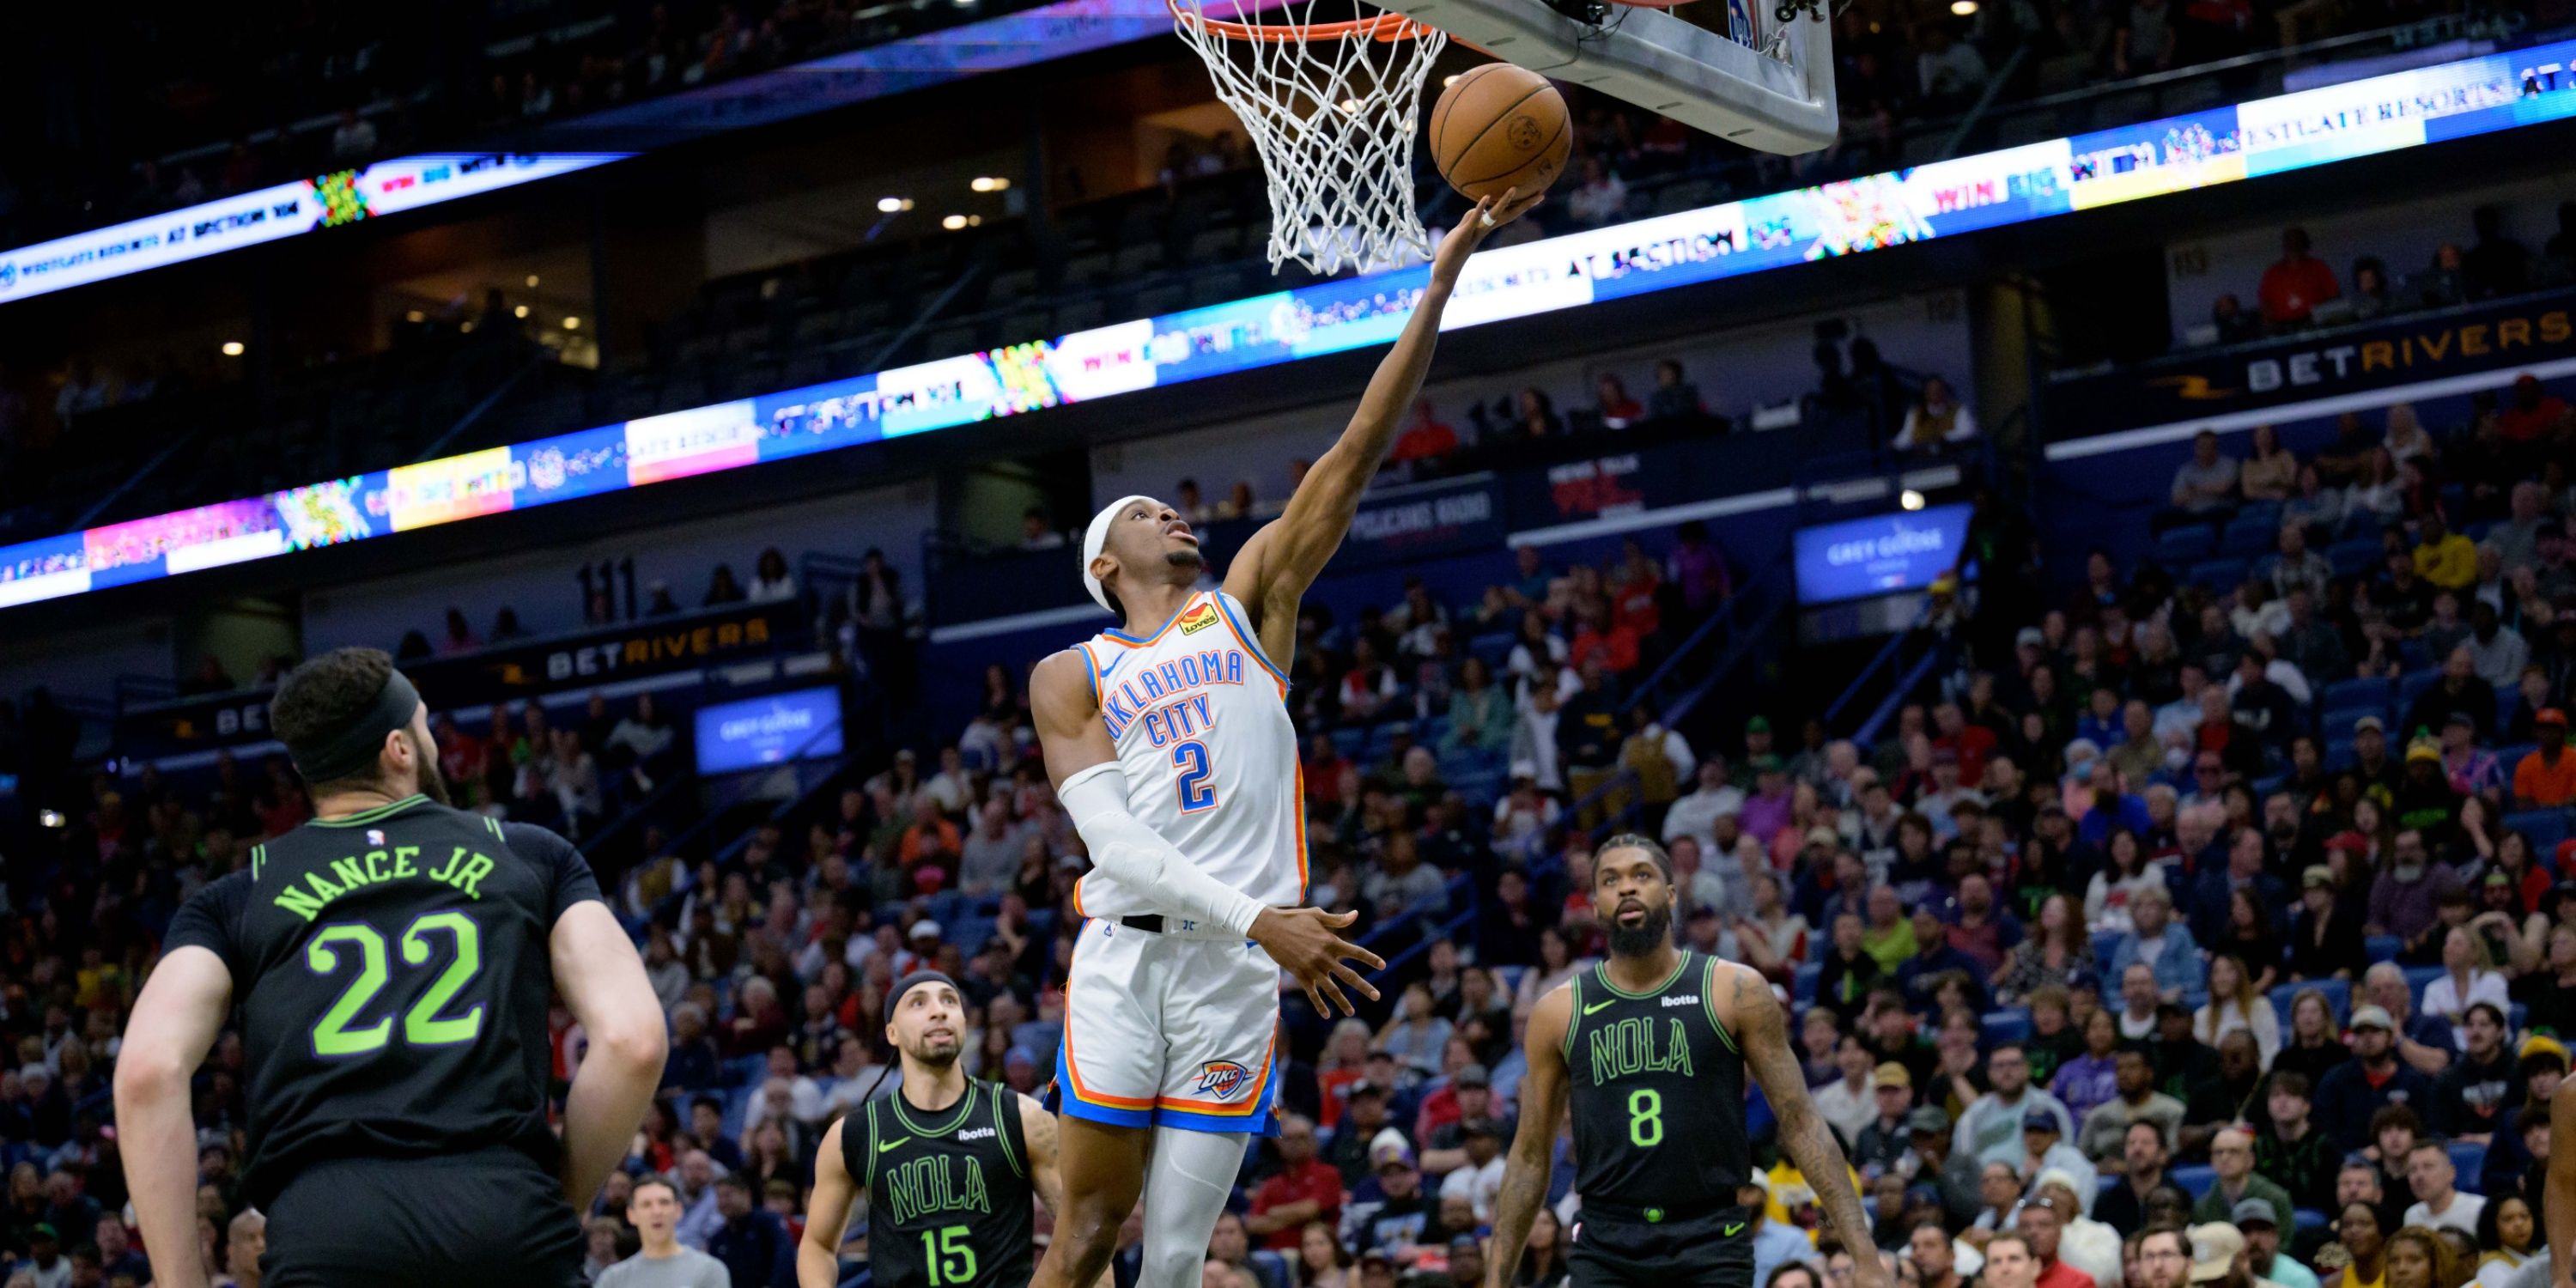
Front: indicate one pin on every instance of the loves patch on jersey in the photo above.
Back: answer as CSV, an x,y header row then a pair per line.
x,y
1223,1078
1199,618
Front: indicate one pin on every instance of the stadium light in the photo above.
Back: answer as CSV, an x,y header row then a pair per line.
x,y
572,324
953,222
1911,500
990,183
415,316
532,281
519,312
893,205
1963,8
232,348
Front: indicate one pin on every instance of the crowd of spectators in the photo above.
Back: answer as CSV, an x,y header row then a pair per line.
x,y
2302,290
2115,930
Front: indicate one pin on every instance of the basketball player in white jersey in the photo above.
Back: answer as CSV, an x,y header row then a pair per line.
x,y
1170,746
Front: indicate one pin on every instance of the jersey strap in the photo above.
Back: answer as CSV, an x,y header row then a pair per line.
x,y
1708,996
1006,1126
871,1181
1238,622
1573,1015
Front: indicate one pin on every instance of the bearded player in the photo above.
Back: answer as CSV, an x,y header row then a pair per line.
x,y
1171,749
1651,1049
949,1164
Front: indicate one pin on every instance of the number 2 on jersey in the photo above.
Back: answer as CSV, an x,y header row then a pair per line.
x,y
1191,759
332,1034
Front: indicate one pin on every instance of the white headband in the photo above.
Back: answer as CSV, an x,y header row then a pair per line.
x,y
1096,536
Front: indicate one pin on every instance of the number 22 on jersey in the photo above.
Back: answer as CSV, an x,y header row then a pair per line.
x,y
337,1033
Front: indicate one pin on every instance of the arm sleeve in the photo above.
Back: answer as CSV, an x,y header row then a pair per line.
x,y
567,874
1137,856
210,919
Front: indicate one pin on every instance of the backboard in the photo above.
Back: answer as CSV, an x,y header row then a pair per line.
x,y
1770,88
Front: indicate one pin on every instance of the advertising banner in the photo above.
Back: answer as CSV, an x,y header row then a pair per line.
x,y
1879,555
2350,359
756,732
1425,519
502,673
1874,212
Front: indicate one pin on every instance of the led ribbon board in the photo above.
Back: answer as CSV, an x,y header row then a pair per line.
x,y
1875,212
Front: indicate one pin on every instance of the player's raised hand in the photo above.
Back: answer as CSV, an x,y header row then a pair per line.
x,y
1304,943
1489,214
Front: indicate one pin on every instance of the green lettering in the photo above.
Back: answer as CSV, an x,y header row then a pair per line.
x,y
402,860
474,871
322,886
376,871
448,873
976,1195
1678,1051
352,873
1605,1065
299,903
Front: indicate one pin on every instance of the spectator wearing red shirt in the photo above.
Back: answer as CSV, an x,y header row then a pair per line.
x,y
1611,401
2535,411
1426,439
1305,1188
1615,644
1324,766
1634,583
1972,743
2296,283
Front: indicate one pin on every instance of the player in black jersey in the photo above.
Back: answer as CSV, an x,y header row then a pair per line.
x,y
391,962
1652,1048
949,1164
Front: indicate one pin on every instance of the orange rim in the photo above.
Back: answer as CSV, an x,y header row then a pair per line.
x,y
1384,27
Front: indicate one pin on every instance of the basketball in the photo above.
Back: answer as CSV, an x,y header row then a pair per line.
x,y
1497,127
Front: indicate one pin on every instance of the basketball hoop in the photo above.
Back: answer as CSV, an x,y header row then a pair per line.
x,y
1330,106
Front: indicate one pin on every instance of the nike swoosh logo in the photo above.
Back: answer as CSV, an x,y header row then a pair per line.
x,y
1735,1229
893,1145
1612,1001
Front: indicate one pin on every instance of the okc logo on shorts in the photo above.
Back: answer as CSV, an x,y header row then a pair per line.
x,y
1223,1078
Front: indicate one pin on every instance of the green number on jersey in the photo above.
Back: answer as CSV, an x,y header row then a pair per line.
x,y
950,1258
421,1025
332,1035
1645,1118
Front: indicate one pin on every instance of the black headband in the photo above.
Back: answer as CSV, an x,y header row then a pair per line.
x,y
353,750
916,980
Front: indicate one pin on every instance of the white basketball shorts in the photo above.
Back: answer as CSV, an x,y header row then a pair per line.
x,y
1176,1029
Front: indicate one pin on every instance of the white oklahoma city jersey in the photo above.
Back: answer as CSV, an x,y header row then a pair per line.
x,y
1200,718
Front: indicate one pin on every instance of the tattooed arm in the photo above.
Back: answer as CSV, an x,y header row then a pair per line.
x,y
1525,1171
1761,1028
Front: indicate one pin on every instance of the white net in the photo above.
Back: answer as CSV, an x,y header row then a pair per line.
x,y
1330,101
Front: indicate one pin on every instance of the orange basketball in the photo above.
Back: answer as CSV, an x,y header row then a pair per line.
x,y
1497,127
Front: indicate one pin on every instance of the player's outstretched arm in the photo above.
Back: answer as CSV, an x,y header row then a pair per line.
x,y
2558,1203
1760,1024
602,980
1038,1128
1083,764
182,1007
827,1211
1276,566
1525,1171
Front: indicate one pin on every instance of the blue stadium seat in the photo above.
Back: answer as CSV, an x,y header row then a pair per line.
x,y
2308,1219
2353,557
2416,655
2356,693
2339,753
2195,1179
2545,827
2219,574
2105,942
2338,721
2183,545
2419,976
2006,1026
2250,536
2382,948
2469,1158
1349,741
1493,646
2338,995
1809,975
2514,1016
